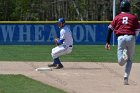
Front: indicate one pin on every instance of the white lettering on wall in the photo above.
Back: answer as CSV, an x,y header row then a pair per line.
x,y
90,31
24,33
75,33
39,33
8,31
39,37
52,33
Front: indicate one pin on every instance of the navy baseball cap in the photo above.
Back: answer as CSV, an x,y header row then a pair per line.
x,y
61,20
125,3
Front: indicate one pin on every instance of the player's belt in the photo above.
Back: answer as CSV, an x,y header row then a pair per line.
x,y
126,34
70,45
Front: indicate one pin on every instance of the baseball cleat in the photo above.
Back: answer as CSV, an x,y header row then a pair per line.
x,y
52,65
125,56
126,81
60,66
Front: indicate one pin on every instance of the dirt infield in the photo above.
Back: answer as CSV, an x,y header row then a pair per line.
x,y
79,77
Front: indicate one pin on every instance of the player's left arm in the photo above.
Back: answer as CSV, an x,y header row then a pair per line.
x,y
59,41
137,30
62,36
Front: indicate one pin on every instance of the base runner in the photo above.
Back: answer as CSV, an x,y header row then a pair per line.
x,y
125,25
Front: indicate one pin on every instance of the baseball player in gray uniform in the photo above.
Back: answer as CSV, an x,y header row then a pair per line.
x,y
124,26
64,44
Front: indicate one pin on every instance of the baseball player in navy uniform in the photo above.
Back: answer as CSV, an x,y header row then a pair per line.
x,y
64,44
125,25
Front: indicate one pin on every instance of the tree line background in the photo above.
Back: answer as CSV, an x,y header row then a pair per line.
x,y
51,10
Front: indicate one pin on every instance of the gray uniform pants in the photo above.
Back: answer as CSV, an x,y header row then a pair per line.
x,y
126,42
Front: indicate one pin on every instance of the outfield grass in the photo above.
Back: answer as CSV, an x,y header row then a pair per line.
x,y
81,53
22,84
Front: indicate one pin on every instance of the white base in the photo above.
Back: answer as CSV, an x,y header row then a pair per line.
x,y
43,69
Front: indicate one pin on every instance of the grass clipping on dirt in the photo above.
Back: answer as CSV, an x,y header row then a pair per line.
x,y
22,84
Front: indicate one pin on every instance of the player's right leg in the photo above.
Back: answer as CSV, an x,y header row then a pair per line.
x,y
130,52
56,53
54,64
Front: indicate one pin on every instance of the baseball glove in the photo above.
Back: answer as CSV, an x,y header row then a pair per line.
x,y
56,41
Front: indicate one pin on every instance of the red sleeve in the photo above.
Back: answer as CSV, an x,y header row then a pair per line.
x,y
137,25
113,23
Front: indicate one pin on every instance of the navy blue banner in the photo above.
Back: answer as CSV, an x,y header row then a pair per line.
x,y
41,33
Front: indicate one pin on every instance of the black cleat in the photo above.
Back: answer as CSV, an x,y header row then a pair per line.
x,y
126,81
52,65
60,66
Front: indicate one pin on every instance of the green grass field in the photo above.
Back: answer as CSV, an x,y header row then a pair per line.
x,y
81,53
22,84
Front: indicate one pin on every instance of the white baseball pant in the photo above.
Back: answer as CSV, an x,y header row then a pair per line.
x,y
61,50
